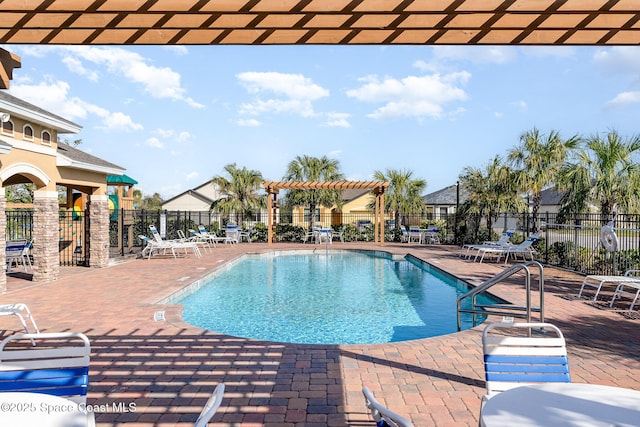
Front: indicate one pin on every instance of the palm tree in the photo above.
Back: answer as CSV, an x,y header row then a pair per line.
x,y
239,192
404,193
538,160
602,173
307,168
490,191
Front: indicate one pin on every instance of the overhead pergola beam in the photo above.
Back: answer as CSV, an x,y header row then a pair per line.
x,y
350,22
8,61
378,187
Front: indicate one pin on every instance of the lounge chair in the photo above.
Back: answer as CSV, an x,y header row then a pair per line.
x,y
523,249
517,354
232,232
501,242
596,281
633,293
381,415
198,240
154,246
22,311
213,238
211,406
61,368
176,244
405,235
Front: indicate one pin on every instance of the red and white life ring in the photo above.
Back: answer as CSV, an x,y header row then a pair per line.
x,y
608,238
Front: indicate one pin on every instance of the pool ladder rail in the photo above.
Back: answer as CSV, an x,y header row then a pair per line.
x,y
506,309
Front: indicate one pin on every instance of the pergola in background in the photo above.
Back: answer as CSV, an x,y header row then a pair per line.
x,y
379,187
315,22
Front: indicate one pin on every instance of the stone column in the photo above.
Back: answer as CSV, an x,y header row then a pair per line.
x,y
98,229
3,238
46,235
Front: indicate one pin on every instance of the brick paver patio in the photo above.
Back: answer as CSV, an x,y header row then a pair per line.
x,y
160,373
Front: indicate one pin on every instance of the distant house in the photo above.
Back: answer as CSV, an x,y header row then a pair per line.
x,y
199,198
443,202
355,206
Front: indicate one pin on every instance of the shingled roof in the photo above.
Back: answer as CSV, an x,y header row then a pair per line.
x,y
72,157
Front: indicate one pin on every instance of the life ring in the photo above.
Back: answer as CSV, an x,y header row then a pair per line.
x,y
608,238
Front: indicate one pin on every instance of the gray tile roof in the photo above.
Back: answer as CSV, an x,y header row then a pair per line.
x,y
28,106
445,196
80,156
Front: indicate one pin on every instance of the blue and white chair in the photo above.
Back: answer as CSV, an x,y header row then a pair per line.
x,y
59,366
517,354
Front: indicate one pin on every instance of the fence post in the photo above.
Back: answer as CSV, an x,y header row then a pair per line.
x,y
546,238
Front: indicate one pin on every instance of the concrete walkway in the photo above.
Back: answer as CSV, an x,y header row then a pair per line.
x,y
160,373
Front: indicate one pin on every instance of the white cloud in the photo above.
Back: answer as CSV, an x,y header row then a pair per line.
x,y
54,96
192,175
334,154
285,93
248,122
413,96
183,137
618,60
520,105
476,54
623,99
154,142
75,66
157,82
180,137
176,49
338,120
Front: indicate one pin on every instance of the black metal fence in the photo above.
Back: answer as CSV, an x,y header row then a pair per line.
x,y
570,241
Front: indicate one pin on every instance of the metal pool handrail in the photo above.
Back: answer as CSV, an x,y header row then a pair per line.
x,y
505,309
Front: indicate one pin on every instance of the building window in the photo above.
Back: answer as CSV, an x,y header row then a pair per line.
x,y
443,213
307,217
7,127
27,132
46,138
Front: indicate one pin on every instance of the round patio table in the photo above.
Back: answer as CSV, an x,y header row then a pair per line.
x,y
563,405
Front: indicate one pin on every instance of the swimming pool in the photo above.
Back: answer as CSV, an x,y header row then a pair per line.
x,y
335,297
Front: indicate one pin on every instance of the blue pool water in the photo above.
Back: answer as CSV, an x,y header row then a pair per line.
x,y
328,298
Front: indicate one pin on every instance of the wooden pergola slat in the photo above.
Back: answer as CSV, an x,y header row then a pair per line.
x,y
378,187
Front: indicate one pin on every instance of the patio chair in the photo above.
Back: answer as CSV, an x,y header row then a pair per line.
x,y
523,249
381,415
154,246
415,234
15,251
176,244
339,233
405,235
61,368
501,242
517,354
621,291
211,406
231,233
197,239
22,311
213,238
596,281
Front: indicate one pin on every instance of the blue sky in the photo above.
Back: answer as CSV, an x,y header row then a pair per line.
x,y
175,116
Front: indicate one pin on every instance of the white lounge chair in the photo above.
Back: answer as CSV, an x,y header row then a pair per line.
x,y
211,236
339,234
598,281
154,246
232,233
59,366
381,415
22,311
176,244
194,238
523,249
517,354
632,290
211,406
501,242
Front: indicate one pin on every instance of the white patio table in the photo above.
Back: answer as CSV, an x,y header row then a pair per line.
x,y
42,410
563,405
